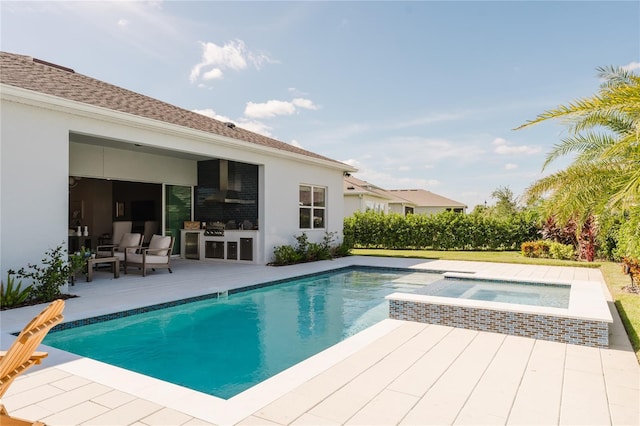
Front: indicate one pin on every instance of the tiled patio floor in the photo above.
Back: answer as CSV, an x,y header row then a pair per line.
x,y
393,373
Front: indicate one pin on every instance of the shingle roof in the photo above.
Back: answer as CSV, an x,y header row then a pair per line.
x,y
355,186
424,198
39,76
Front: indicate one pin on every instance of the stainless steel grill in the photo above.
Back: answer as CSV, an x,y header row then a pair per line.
x,y
214,229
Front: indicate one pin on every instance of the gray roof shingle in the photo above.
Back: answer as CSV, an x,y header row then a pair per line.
x,y
39,76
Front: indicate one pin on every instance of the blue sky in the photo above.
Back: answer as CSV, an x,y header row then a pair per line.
x,y
413,94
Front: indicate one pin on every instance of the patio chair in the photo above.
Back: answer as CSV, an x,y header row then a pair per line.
x,y
150,228
157,255
129,243
22,354
120,228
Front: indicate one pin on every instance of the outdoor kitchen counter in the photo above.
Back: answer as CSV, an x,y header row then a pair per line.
x,y
234,245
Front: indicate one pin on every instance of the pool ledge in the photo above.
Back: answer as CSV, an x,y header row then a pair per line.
x,y
585,322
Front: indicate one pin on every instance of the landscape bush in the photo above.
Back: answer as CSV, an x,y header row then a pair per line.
x,y
548,250
442,231
48,277
12,294
305,251
628,244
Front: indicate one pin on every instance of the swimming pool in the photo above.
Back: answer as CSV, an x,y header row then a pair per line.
x,y
225,345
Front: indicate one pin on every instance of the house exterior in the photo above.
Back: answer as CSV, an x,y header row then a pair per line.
x,y
362,196
423,202
79,154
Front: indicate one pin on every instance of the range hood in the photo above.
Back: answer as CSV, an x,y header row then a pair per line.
x,y
227,193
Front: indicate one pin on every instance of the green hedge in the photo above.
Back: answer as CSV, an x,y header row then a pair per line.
x,y
442,231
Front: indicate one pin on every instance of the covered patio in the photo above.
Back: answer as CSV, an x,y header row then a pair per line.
x,y
395,372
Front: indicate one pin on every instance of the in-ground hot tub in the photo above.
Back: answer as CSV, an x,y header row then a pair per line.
x,y
584,321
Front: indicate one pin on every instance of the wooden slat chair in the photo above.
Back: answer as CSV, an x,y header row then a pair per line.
x,y
157,255
22,354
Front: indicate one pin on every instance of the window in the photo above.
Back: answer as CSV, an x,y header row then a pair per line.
x,y
312,206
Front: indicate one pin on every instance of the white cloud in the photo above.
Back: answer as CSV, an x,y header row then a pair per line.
x,y
255,126
269,109
214,74
304,103
251,125
631,66
233,55
510,166
504,147
212,114
123,23
385,180
296,144
274,107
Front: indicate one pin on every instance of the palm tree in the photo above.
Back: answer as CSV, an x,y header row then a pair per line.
x,y
604,134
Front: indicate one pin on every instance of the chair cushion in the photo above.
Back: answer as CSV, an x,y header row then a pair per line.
x,y
136,259
157,260
159,242
129,240
120,255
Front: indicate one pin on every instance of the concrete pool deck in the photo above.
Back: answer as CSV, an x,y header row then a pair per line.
x,y
396,372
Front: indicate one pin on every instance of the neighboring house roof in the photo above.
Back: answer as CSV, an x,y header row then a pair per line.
x,y
411,197
43,77
423,198
355,186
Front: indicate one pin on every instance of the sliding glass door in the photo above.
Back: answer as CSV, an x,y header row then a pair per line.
x,y
178,201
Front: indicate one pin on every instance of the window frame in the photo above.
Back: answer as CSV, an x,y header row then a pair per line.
x,y
311,207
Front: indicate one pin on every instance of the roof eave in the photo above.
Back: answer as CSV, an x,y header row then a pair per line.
x,y
34,98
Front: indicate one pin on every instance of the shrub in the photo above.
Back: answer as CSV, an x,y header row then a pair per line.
x,y
547,249
561,251
631,267
306,251
46,279
539,248
12,293
286,255
528,248
629,235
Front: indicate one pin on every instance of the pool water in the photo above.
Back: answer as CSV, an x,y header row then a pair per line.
x,y
550,295
223,346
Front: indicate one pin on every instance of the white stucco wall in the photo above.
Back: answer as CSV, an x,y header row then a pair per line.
x,y
396,208
352,204
283,179
34,184
362,202
37,159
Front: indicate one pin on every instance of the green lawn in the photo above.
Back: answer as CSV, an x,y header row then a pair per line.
x,y
628,305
